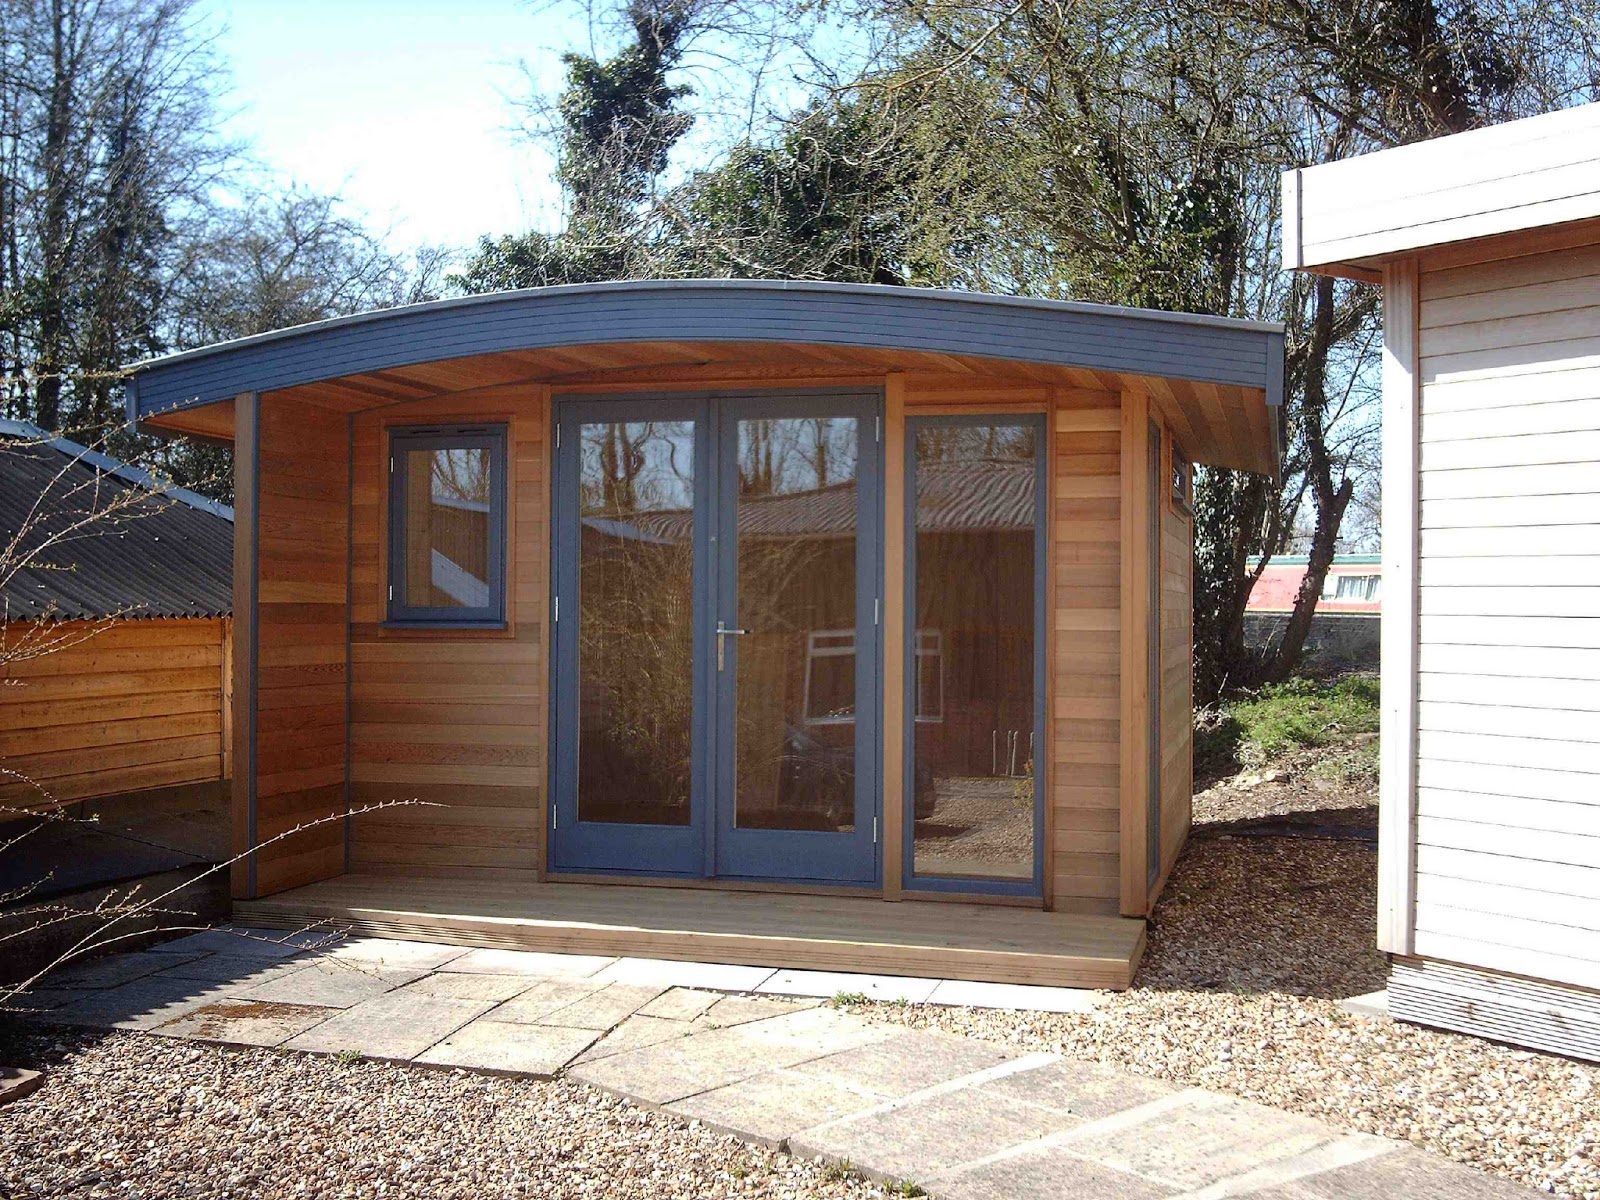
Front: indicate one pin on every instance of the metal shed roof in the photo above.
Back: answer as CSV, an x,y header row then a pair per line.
x,y
1136,341
162,551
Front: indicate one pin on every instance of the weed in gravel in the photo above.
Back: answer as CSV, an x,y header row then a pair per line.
x,y
847,999
346,1058
837,1172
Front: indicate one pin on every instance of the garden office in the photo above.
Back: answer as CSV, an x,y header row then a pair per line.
x,y
710,619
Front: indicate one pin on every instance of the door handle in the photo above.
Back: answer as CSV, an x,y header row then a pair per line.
x,y
723,633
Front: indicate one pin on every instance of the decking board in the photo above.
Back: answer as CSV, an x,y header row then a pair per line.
x,y
944,941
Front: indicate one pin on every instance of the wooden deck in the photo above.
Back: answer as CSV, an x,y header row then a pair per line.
x,y
832,933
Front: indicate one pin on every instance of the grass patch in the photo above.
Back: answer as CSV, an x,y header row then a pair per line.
x,y
1254,730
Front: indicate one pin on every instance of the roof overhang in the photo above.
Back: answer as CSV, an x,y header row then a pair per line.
x,y
1348,218
1135,342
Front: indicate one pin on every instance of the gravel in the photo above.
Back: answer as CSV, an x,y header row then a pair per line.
x,y
128,1115
1254,942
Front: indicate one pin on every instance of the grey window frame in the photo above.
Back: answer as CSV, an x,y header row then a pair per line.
x,y
405,439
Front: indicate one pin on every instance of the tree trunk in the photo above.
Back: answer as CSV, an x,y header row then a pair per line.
x,y
1329,499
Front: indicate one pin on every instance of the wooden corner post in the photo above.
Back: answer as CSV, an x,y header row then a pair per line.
x,y
894,634
1397,719
1134,654
246,576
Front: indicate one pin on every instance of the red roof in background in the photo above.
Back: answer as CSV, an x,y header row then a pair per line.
x,y
1280,584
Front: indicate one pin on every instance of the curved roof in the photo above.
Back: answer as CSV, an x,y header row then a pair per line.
x,y
1136,341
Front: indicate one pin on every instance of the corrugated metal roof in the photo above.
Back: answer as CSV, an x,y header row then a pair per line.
x,y
152,551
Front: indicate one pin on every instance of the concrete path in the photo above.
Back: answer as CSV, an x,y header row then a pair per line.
x,y
758,1054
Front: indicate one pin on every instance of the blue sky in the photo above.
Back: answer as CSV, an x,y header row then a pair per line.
x,y
397,106
402,107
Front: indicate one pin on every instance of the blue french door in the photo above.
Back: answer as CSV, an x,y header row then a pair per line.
x,y
716,667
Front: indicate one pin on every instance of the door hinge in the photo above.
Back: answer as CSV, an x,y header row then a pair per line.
x,y
391,464
558,437
877,428
391,591
876,601
556,611
874,831
555,812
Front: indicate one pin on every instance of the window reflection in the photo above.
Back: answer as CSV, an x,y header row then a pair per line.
x,y
973,662
636,621
794,714
447,528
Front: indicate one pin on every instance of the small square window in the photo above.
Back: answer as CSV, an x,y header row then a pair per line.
x,y
447,500
1182,481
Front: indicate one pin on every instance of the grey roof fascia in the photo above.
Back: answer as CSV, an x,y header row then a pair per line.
x,y
1177,345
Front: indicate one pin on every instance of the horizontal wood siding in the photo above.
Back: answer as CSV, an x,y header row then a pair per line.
x,y
301,644
1177,679
1510,177
1508,753
113,709
1086,686
451,718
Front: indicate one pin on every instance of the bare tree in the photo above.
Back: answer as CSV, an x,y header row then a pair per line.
x,y
108,149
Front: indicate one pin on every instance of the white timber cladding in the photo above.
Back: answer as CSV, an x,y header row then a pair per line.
x,y
1521,175
1506,798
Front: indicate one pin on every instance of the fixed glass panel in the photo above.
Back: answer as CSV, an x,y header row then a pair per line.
x,y
974,529
794,711
636,528
447,528
447,520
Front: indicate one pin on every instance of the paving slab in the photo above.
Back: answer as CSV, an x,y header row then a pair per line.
x,y
924,1137
680,1004
1086,1090
664,972
241,942
466,986
601,1010
114,970
529,962
1045,1173
545,996
1403,1172
17,1083
141,1004
232,971
837,983
1370,1004
741,1010
396,1025
773,1106
637,1032
672,1070
245,1023
330,984
506,1047
42,999
913,1061
392,952
1017,997
1192,1139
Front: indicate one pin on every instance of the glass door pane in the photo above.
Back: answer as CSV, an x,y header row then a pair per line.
x,y
972,664
795,693
636,621
794,646
628,696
